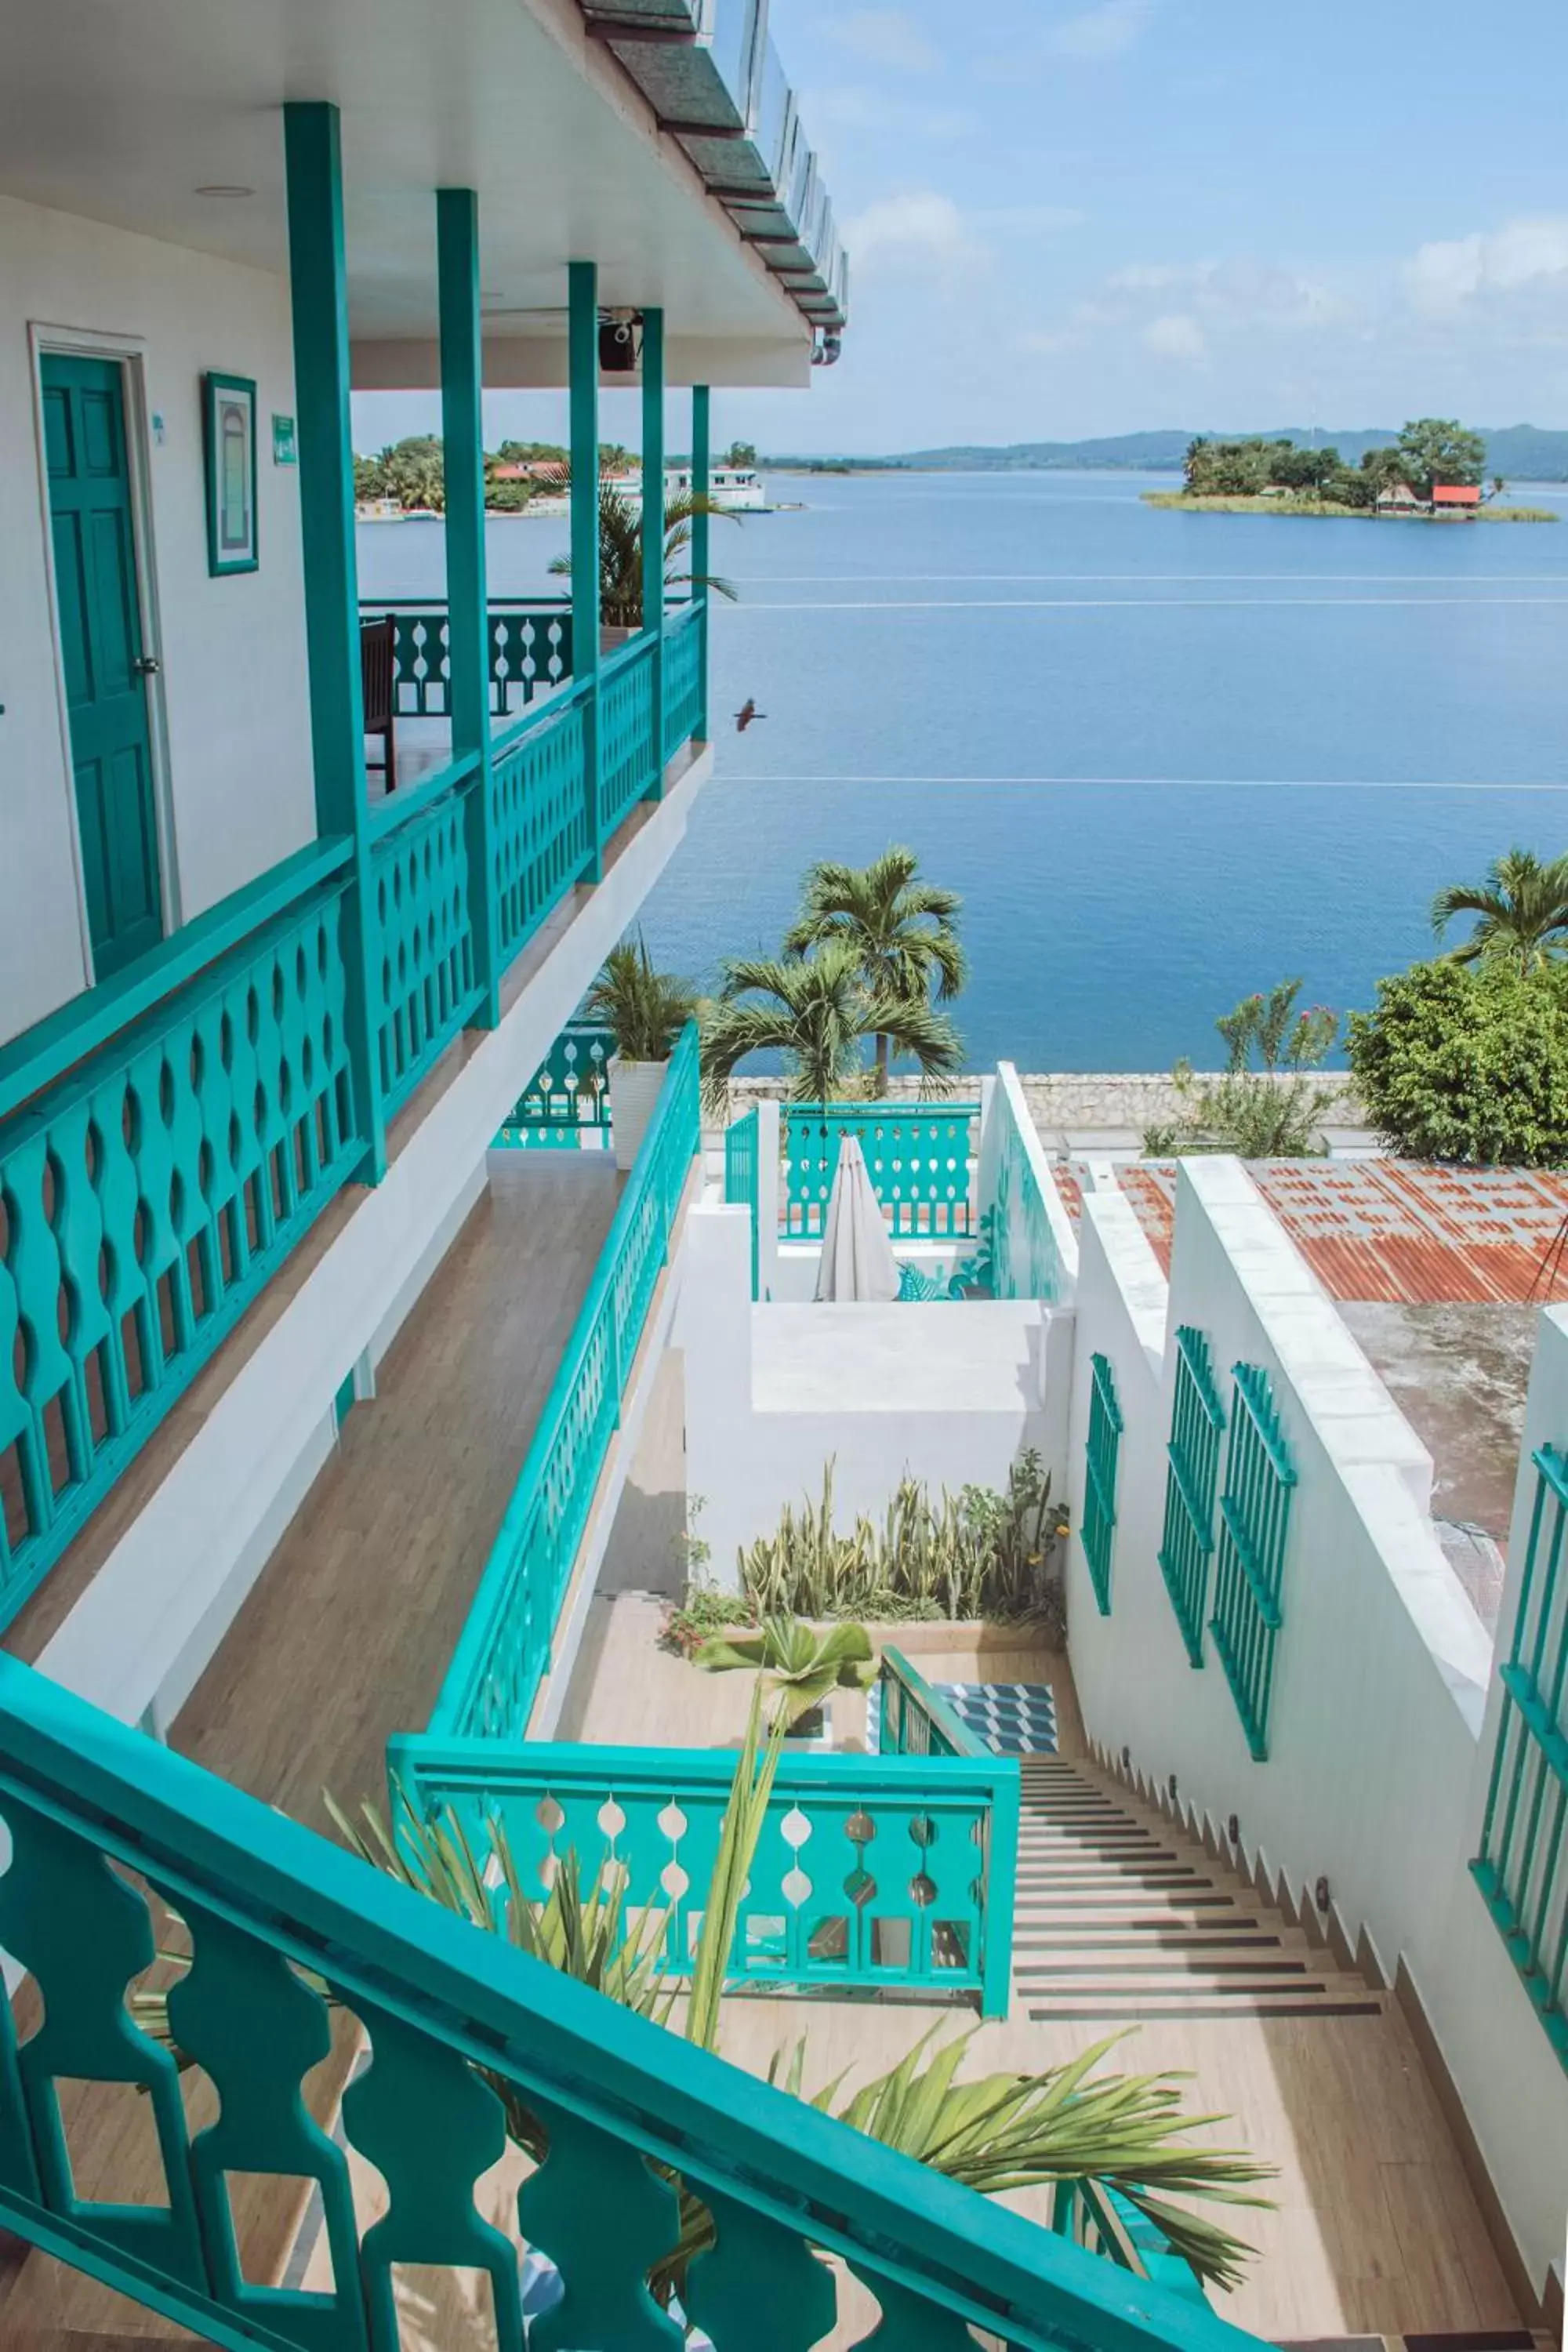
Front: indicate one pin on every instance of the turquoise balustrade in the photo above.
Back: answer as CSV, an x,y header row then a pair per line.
x,y
504,1649
1029,1251
569,1094
682,677
107,1831
741,1172
1255,1519
1519,1866
147,1196
529,653
915,1721
423,961
872,1872
542,840
629,762
918,1156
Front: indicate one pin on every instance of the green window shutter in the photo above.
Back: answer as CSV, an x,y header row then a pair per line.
x,y
1104,1443
1254,1518
1186,1546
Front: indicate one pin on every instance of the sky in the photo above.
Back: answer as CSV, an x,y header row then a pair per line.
x,y
1068,220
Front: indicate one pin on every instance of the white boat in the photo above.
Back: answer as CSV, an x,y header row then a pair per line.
x,y
736,487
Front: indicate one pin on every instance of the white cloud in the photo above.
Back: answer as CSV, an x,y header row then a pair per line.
x,y
884,37
918,235
1107,31
1513,279
1176,336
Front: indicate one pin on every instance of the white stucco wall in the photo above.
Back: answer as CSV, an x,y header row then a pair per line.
x,y
949,1392
1381,1666
232,700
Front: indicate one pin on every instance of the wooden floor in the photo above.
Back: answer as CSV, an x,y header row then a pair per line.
x,y
349,1633
1375,2231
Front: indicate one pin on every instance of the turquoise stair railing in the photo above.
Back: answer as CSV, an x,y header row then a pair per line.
x,y
919,1157
109,1833
568,1096
503,1653
872,1872
741,1170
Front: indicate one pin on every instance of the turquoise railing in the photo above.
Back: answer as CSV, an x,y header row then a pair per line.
x,y
1518,1868
1027,1246
423,953
682,677
504,1651
629,762
528,651
1100,1450
918,1156
569,1094
544,836
1255,1519
871,1874
110,1832
914,1719
148,1196
1187,1545
1103,2222
741,1172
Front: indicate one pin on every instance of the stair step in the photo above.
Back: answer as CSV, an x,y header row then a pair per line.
x,y
1042,1941
1076,2011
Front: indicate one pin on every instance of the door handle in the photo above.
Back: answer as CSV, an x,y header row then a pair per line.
x,y
146,666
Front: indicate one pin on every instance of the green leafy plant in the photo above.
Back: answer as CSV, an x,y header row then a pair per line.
x,y
1007,2131
978,1554
1265,1107
1522,911
620,547
802,1666
903,931
644,1009
1469,1063
817,1011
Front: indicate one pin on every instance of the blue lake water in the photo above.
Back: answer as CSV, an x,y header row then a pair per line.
x,y
1167,759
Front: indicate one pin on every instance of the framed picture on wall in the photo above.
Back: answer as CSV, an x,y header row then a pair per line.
x,y
228,417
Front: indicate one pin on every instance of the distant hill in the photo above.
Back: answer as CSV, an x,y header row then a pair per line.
x,y
1527,452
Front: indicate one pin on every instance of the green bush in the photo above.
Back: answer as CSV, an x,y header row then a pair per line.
x,y
1467,1063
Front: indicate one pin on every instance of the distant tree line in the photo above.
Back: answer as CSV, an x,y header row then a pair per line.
x,y
412,474
1431,450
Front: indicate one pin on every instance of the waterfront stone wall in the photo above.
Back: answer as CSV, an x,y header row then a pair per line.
x,y
1079,1103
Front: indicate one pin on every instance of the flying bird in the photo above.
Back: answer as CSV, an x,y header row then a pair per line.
x,y
746,713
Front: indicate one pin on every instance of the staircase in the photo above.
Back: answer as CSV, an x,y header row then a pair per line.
x,y
1120,1915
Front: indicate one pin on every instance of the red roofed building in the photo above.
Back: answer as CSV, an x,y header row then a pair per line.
x,y
1455,494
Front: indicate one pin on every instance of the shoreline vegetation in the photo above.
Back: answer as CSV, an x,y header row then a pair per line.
x,y
1297,503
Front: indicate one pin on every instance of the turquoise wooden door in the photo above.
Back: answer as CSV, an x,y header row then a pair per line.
x,y
100,643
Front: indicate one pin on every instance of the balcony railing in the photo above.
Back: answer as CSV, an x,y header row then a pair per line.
x,y
167,1140
919,1157
529,653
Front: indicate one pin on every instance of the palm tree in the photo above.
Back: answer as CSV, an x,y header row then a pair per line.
x,y
815,1010
901,928
620,547
1523,907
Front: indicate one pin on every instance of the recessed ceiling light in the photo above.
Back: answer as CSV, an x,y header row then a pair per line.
x,y
217,188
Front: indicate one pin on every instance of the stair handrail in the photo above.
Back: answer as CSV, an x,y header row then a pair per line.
x,y
75,1784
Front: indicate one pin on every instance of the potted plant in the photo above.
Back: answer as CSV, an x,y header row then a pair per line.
x,y
645,1012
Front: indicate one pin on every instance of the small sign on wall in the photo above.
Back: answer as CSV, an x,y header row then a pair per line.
x,y
285,449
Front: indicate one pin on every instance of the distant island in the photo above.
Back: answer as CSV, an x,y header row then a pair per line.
x,y
1521,453
1435,472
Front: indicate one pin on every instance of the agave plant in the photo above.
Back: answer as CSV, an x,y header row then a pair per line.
x,y
802,1665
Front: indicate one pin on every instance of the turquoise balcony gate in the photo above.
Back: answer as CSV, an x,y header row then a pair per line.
x,y
568,1096
528,652
919,1155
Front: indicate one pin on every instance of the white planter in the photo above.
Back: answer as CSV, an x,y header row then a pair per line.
x,y
634,1090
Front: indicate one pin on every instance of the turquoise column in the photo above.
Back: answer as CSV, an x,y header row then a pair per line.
x,y
653,524
583,375
318,278
467,608
701,477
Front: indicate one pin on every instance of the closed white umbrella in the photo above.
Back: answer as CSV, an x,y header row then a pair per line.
x,y
858,1259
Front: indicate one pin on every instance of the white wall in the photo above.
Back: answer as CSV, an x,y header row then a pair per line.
x,y
232,696
150,1619
1381,1665
949,1392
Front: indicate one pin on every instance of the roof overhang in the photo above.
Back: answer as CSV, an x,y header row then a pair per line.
x,y
123,112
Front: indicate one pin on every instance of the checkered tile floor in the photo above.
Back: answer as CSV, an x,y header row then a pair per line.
x,y
1012,1719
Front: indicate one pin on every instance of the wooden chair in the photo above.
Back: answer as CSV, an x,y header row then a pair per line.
x,y
378,684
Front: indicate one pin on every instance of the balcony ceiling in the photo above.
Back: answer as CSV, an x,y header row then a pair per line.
x,y
121,109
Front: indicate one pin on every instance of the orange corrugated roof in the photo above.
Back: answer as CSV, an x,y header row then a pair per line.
x,y
1394,1230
